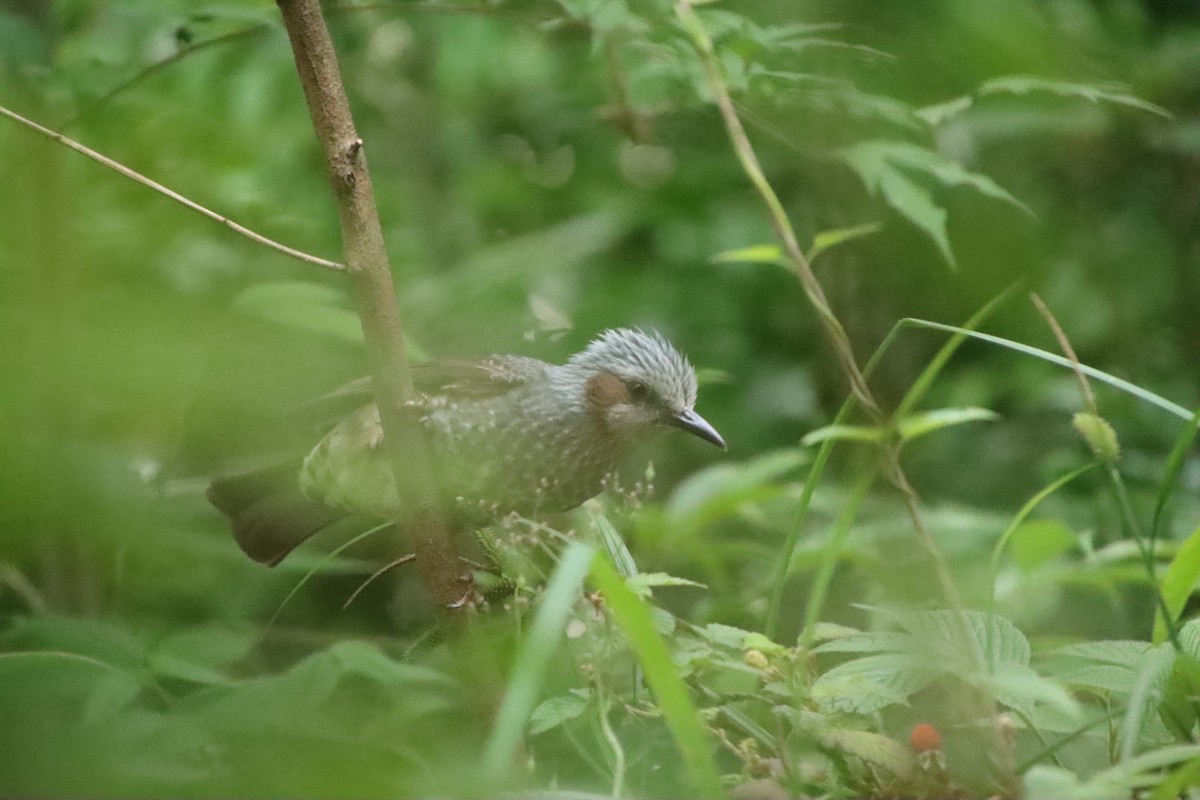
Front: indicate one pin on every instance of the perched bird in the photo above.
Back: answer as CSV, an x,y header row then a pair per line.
x,y
505,434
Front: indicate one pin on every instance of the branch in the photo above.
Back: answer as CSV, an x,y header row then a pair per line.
x,y
178,198
370,273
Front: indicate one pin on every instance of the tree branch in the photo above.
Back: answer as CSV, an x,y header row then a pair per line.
x,y
367,265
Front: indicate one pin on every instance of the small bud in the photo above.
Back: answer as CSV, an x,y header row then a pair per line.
x,y
756,659
1099,435
925,738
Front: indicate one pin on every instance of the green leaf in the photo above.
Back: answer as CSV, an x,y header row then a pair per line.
x,y
1178,583
112,693
825,240
755,254
886,169
642,583
725,635
881,752
916,425
720,490
868,684
843,433
1112,93
555,711
938,114
614,543
197,655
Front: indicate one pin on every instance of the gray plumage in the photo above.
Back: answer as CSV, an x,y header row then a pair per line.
x,y
506,434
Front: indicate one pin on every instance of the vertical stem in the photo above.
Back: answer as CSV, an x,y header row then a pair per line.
x,y
371,278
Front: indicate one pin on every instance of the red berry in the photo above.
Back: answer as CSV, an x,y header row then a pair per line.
x,y
925,738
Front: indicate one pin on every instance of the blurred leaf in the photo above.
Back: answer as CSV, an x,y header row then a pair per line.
x,y
1179,582
725,635
826,240
305,306
94,639
843,433
614,543
916,425
755,254
1021,84
113,693
719,490
642,583
199,654
930,648
885,167
881,752
1038,541
557,710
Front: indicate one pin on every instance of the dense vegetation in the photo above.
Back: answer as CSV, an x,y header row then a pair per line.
x,y
767,621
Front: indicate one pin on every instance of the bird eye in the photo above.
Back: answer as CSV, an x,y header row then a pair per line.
x,y
638,391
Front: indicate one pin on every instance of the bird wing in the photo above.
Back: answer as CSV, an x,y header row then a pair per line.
x,y
490,376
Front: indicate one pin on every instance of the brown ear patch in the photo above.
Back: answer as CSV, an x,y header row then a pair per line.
x,y
603,391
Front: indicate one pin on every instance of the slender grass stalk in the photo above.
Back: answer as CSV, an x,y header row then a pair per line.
x,y
1028,508
533,659
829,558
632,616
912,397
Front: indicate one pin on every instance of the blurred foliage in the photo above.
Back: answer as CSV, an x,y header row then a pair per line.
x,y
546,170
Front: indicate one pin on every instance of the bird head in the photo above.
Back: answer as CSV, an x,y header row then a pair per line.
x,y
635,380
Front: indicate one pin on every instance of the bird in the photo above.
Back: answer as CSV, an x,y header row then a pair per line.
x,y
505,434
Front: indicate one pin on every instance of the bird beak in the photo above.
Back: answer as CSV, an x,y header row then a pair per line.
x,y
692,422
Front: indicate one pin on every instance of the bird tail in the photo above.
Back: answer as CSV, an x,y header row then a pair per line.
x,y
270,515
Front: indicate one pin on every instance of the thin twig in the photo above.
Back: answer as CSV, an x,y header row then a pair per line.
x,y
1064,344
162,64
178,198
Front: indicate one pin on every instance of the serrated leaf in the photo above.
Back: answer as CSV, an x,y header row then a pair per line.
x,y
919,424
555,711
724,635
842,433
881,752
757,641
1017,686
885,168
935,115
1023,84
829,631
642,583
